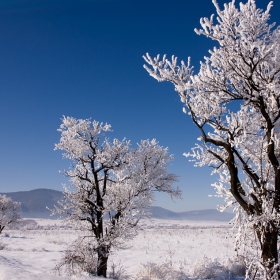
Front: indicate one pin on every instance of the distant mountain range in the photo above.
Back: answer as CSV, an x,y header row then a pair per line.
x,y
34,203
197,215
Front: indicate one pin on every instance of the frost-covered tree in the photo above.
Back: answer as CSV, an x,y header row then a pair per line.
x,y
111,188
9,212
234,101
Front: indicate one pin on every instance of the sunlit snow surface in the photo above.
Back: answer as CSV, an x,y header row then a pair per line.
x,y
187,247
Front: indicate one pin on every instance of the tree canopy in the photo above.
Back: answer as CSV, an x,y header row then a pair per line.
x,y
234,100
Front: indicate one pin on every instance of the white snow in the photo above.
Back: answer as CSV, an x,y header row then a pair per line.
x,y
185,247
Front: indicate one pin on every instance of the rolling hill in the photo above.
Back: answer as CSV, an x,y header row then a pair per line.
x,y
34,203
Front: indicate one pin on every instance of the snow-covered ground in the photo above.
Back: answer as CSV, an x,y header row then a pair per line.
x,y
164,249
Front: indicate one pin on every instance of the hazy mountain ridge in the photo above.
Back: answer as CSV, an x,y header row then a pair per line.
x,y
34,203
196,215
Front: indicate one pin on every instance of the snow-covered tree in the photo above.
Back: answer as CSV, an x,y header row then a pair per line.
x,y
111,188
9,212
234,101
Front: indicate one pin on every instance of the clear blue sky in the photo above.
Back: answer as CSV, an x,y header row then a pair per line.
x,y
83,58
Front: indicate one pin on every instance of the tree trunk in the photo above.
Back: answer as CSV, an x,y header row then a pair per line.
x,y
1,228
102,262
268,243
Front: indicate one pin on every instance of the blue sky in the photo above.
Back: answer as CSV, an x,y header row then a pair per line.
x,y
83,58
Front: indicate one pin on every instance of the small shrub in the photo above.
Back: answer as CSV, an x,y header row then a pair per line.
x,y
2,246
80,258
153,271
38,249
117,271
236,266
56,241
207,268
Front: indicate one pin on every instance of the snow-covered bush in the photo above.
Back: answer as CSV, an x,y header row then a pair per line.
x,y
2,246
211,268
154,271
9,212
117,271
80,257
236,266
207,268
26,224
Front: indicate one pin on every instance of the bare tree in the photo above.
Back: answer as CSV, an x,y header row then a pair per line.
x,y
9,212
111,188
234,101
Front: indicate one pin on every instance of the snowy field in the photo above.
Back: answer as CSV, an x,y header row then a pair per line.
x,y
164,249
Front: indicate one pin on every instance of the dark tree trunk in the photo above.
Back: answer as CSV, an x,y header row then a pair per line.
x,y
1,228
268,242
102,262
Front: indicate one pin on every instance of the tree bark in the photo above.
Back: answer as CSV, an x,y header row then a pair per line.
x,y
102,262
268,243
1,228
